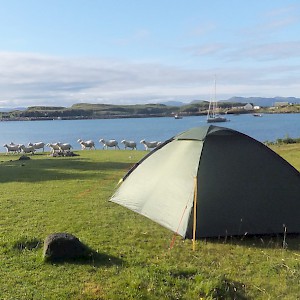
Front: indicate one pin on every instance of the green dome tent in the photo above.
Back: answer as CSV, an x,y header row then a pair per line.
x,y
214,181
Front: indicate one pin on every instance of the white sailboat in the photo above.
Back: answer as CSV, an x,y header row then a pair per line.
x,y
213,114
178,116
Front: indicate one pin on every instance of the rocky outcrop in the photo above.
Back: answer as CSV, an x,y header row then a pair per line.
x,y
64,246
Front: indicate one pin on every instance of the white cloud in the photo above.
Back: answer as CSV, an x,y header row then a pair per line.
x,y
139,36
205,49
282,11
274,21
202,29
267,51
31,79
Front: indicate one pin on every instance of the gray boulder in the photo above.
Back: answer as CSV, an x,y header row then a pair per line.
x,y
64,246
24,157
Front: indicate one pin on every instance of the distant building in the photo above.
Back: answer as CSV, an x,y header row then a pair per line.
x,y
248,106
279,104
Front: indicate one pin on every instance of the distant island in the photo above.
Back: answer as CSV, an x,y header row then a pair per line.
x,y
235,105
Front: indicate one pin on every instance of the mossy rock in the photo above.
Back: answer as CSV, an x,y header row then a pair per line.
x,y
64,246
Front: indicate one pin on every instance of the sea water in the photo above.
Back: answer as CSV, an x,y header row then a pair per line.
x,y
269,127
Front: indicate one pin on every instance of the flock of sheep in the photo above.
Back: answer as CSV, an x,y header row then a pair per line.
x,y
62,147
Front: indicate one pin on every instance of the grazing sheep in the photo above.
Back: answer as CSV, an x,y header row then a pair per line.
x,y
150,145
54,147
129,144
64,146
29,149
12,148
110,143
86,144
39,145
17,145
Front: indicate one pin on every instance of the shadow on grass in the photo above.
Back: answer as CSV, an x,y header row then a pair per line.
x,y
60,168
276,241
90,257
27,243
220,287
94,259
230,289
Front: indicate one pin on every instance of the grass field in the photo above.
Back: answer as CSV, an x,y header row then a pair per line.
x,y
131,257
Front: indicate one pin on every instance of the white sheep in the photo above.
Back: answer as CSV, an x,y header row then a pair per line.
x,y
110,143
150,145
64,146
54,147
38,145
28,149
129,144
12,148
86,144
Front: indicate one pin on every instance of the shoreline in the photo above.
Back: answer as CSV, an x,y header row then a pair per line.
x,y
136,116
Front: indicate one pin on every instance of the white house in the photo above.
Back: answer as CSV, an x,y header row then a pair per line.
x,y
248,106
280,104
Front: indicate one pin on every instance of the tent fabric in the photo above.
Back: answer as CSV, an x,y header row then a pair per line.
x,y
242,185
243,188
142,191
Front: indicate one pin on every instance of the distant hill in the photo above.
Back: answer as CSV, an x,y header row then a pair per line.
x,y
168,109
173,103
261,101
179,103
12,108
199,101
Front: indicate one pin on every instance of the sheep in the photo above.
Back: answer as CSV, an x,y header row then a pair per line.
x,y
86,144
54,147
110,143
64,146
12,148
39,145
129,144
150,145
29,149
13,144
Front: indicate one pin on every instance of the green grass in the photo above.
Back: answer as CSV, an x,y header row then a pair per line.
x,y
132,259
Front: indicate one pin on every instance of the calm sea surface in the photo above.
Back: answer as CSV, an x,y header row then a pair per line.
x,y
268,127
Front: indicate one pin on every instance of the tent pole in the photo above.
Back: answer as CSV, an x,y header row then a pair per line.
x,y
195,213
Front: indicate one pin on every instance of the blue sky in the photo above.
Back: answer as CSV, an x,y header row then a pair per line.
x,y
62,52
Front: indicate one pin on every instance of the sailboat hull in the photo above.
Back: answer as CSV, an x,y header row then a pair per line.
x,y
216,120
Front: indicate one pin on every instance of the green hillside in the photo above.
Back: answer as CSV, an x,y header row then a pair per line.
x,y
131,256
101,111
96,111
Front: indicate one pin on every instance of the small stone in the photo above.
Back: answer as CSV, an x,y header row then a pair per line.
x,y
24,157
63,246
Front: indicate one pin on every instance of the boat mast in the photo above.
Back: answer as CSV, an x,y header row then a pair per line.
x,y
215,98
